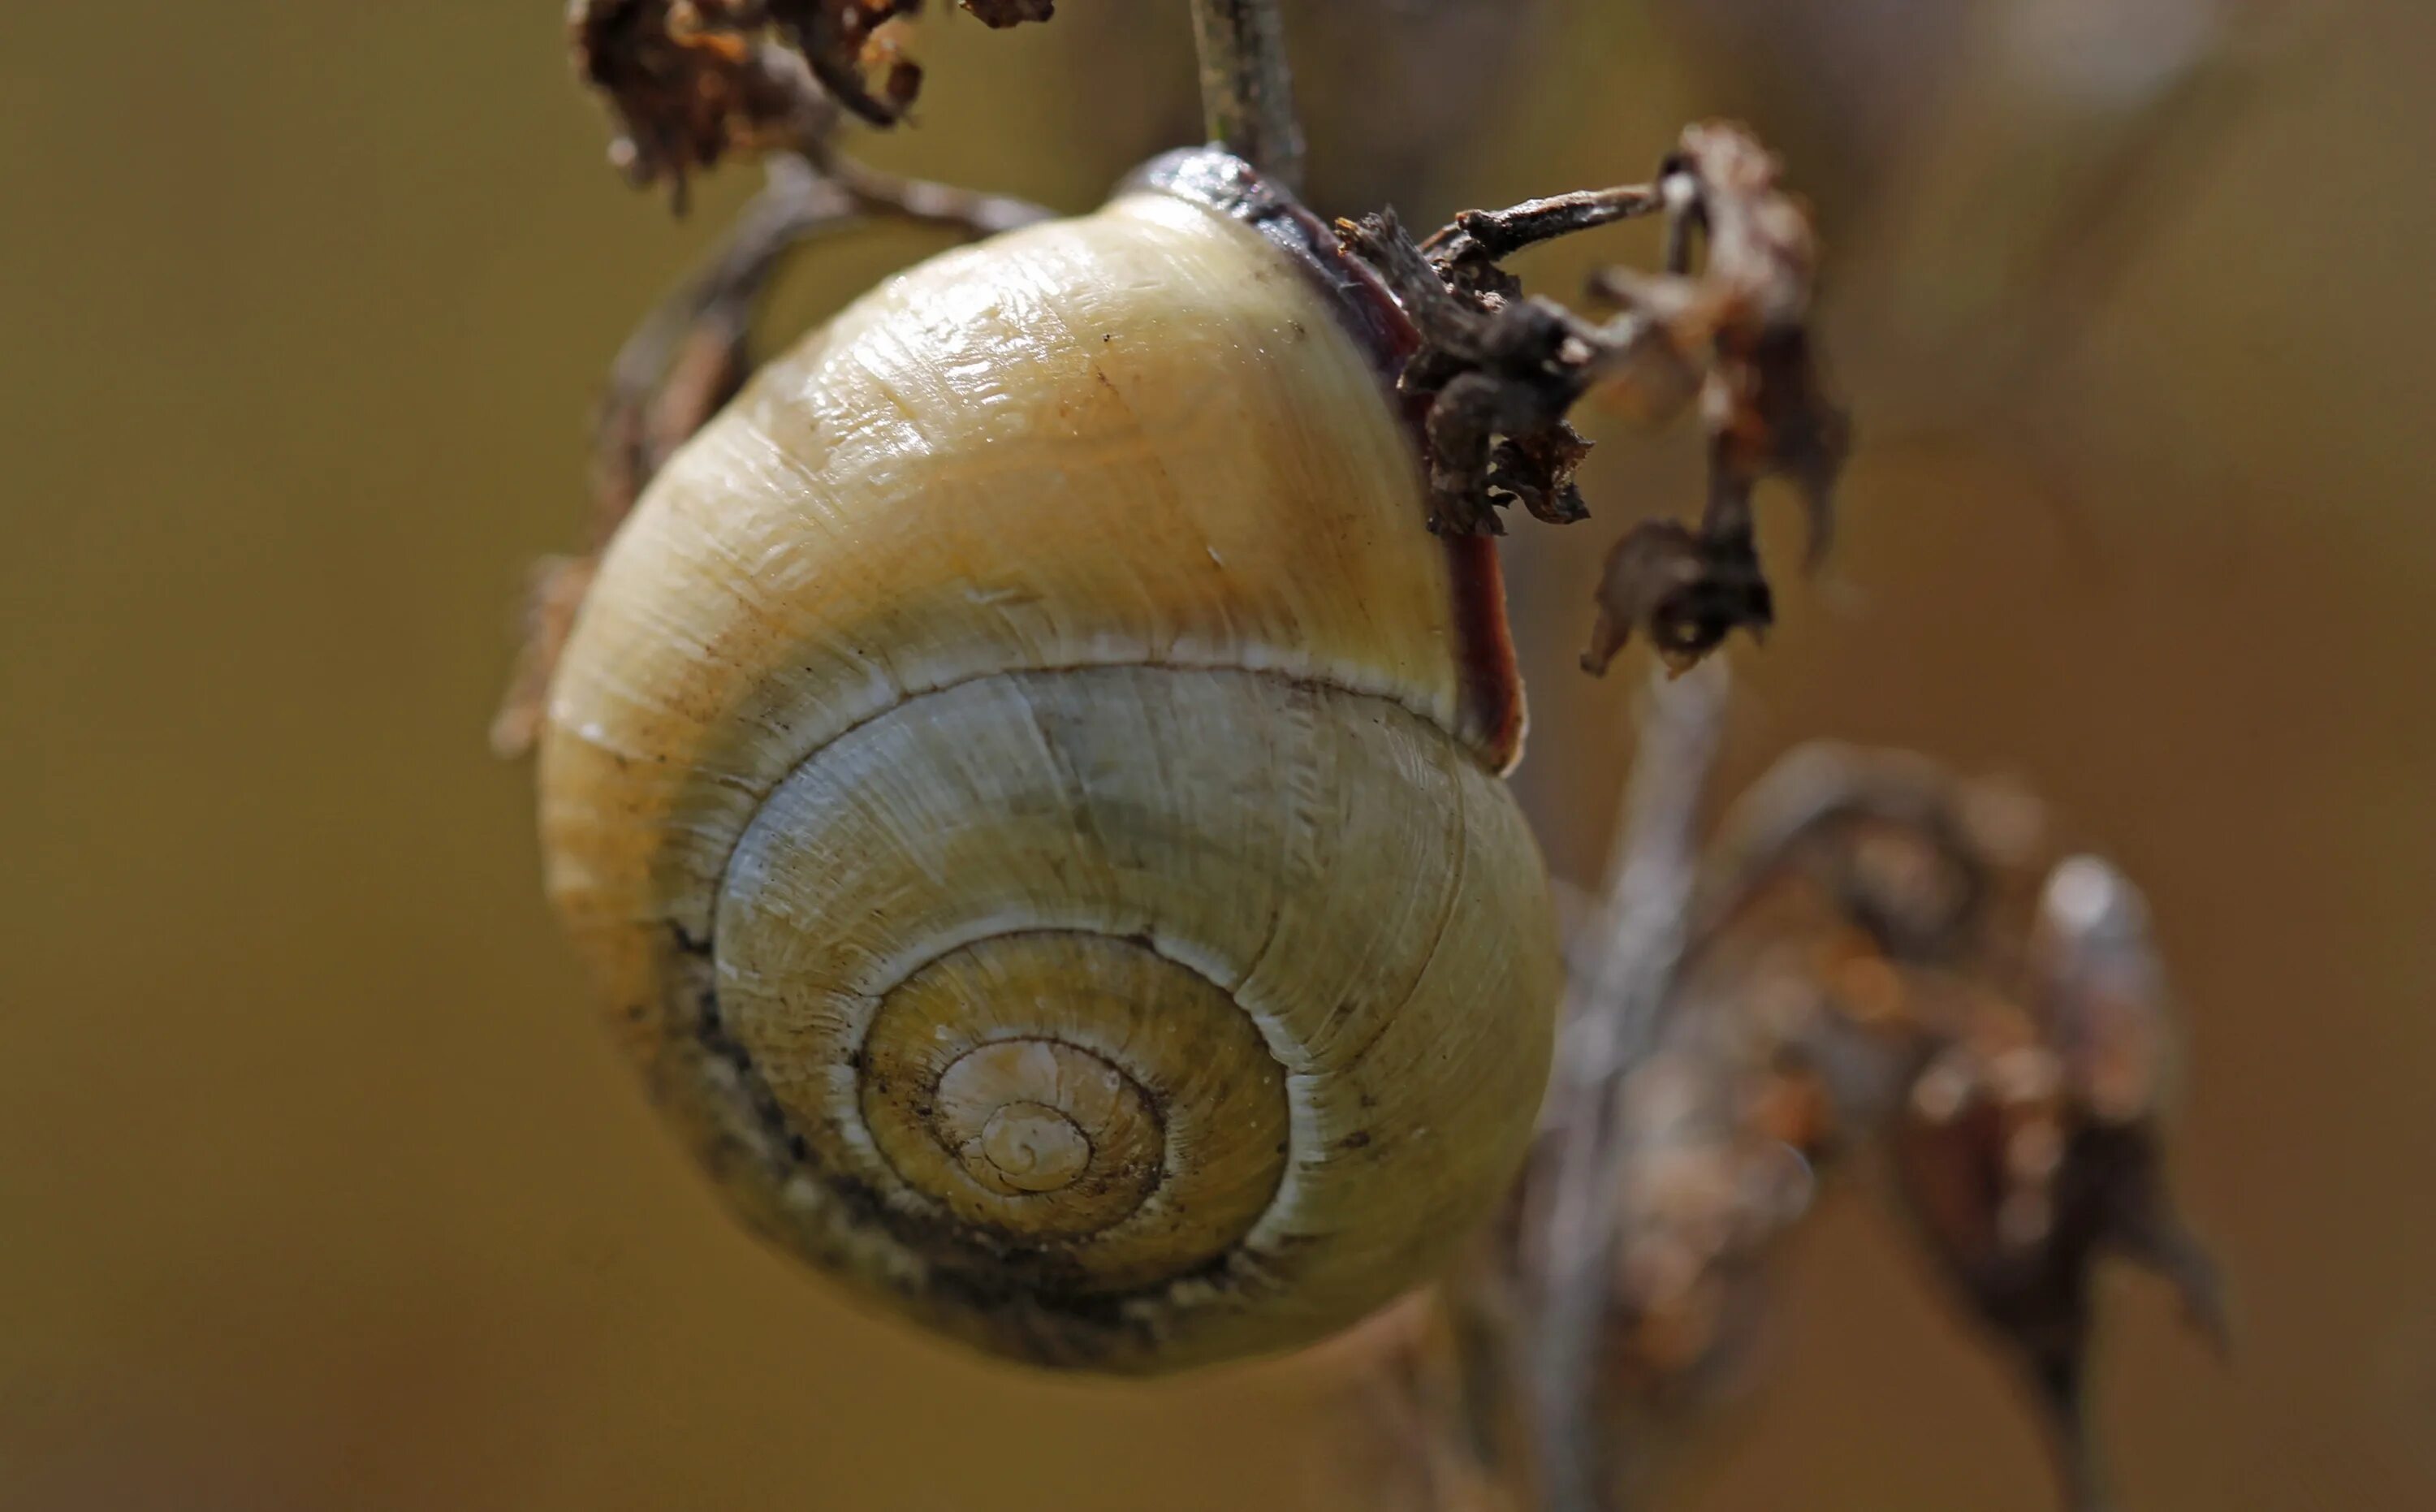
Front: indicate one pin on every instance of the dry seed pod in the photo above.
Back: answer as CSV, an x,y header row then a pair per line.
x,y
1028,783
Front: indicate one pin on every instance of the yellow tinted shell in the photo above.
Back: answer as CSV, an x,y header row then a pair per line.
x,y
1028,784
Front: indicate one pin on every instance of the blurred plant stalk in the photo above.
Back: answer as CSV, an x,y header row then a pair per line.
x,y
1247,88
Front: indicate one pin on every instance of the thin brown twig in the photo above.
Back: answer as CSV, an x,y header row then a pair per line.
x,y
688,357
1611,1020
930,202
689,83
1246,87
712,308
656,397
1497,234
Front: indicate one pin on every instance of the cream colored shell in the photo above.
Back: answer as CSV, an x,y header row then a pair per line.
x,y
1015,781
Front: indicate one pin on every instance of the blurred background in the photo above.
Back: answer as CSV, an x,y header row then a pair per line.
x,y
319,1188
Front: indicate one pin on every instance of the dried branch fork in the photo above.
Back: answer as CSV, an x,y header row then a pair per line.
x,y
1884,958
1500,370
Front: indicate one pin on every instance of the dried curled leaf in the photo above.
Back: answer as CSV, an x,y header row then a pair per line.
x,y
1743,318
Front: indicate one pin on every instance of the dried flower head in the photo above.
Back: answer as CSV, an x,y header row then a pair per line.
x,y
691,81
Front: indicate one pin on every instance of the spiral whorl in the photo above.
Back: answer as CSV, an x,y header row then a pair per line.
x,y
1081,1095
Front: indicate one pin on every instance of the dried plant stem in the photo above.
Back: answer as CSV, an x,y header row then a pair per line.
x,y
1499,234
690,356
926,203
1246,88
648,406
1611,1023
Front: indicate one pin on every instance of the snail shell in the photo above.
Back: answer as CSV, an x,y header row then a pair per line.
x,y
1028,784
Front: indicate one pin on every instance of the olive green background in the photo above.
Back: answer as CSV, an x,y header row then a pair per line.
x,y
318,1188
